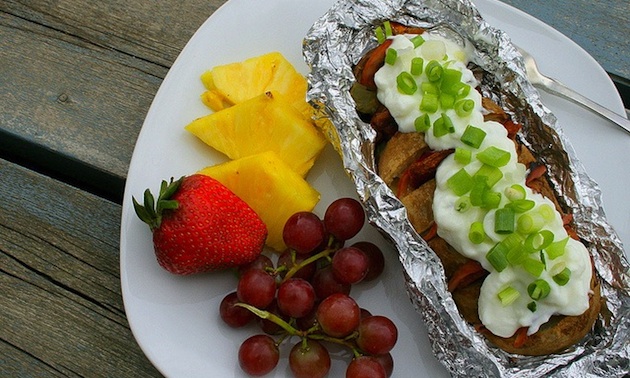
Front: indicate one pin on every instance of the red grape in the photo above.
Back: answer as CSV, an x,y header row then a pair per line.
x,y
364,367
261,262
296,297
377,335
325,283
234,316
376,260
303,232
344,218
257,288
309,359
258,355
387,361
338,315
349,265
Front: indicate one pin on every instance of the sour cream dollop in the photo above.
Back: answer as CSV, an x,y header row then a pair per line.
x,y
513,295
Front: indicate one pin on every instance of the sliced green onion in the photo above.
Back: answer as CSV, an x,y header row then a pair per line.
x,y
494,156
434,70
521,205
556,249
563,277
491,199
464,108
422,123
504,221
547,212
491,174
462,155
417,41
462,90
443,126
460,183
508,295
406,83
451,79
477,191
539,289
543,260
497,257
531,306
533,266
447,100
380,34
530,222
428,87
515,192
416,65
517,255
538,240
476,234
473,136
388,29
390,56
429,103
462,204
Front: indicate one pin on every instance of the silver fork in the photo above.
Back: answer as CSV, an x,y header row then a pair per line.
x,y
555,87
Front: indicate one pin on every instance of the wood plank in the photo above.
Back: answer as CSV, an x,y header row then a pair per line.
x,y
61,310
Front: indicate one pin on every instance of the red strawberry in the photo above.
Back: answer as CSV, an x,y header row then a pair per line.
x,y
199,225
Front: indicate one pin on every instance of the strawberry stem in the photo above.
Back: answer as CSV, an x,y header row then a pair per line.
x,y
150,212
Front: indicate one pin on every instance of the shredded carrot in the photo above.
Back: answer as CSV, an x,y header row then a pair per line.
x,y
465,275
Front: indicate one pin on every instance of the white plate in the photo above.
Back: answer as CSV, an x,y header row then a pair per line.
x,y
175,319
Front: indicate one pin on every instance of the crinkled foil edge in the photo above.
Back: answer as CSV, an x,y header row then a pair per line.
x,y
332,46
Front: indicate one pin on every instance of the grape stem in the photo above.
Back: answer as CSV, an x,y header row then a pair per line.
x,y
323,254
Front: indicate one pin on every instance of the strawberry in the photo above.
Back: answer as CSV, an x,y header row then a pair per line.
x,y
199,225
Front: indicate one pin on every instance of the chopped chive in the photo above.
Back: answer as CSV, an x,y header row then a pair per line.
x,y
515,192
473,136
517,255
491,174
494,156
460,182
422,123
462,204
504,221
406,83
388,29
447,100
462,155
451,79
530,222
390,56
556,249
443,126
533,266
477,191
462,90
429,103
464,108
508,295
491,199
428,87
539,289
563,277
416,65
417,41
434,70
531,306
497,257
521,205
476,234
538,240
547,211
380,34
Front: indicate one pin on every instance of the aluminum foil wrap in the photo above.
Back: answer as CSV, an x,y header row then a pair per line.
x,y
332,46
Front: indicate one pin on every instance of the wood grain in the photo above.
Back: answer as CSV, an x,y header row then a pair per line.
x,y
61,310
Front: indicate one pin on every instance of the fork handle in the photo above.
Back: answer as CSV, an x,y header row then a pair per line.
x,y
560,89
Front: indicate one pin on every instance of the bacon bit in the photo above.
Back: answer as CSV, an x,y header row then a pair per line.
x,y
521,337
536,172
383,122
373,63
431,232
512,128
468,273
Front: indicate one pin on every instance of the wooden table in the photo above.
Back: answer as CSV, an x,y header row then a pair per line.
x,y
77,79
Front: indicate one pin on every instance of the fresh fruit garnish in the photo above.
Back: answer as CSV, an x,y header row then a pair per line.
x,y
267,122
301,297
199,225
270,187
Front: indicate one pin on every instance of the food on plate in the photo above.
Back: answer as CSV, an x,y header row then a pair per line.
x,y
199,225
514,265
233,83
267,184
292,304
266,122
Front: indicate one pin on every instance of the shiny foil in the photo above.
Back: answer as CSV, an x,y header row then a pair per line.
x,y
332,46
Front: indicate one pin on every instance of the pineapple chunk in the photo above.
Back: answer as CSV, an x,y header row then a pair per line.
x,y
234,83
270,187
264,123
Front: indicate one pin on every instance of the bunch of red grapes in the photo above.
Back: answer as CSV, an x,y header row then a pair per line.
x,y
305,296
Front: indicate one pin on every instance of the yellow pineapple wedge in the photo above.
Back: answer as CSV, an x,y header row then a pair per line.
x,y
270,187
264,123
236,82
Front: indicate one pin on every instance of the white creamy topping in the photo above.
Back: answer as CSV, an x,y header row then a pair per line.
x,y
502,319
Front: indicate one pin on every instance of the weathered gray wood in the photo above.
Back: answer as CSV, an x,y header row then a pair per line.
x,y
61,310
